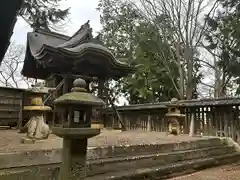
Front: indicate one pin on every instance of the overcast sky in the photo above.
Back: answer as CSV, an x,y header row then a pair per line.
x,y
80,12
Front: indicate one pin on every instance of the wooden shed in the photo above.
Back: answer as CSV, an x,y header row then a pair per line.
x,y
10,106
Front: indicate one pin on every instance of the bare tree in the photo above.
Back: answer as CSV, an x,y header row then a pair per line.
x,y
185,35
10,69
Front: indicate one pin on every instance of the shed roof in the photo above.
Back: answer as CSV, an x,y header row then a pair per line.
x,y
182,103
141,107
207,102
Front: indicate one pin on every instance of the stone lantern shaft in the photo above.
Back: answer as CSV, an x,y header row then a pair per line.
x,y
74,156
75,135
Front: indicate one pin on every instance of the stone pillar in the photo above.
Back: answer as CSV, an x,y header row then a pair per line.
x,y
74,156
97,122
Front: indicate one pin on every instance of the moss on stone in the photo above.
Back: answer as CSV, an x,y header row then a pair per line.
x,y
79,98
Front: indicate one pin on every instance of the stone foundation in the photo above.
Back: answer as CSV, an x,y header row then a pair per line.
x,y
169,156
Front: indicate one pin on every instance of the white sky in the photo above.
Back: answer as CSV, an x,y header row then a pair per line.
x,y
80,12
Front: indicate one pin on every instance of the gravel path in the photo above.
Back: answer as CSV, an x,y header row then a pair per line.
x,y
228,172
10,140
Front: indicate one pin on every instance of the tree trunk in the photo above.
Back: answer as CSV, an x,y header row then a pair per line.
x,y
189,58
181,73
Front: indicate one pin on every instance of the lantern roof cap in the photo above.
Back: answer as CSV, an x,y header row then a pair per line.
x,y
79,96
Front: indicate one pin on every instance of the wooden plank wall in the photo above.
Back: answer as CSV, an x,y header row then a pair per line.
x,y
139,120
209,120
10,106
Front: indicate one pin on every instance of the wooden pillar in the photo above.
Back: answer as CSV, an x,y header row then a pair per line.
x,y
238,124
215,124
209,121
192,124
232,126
217,120
100,88
126,121
149,123
163,125
203,127
220,117
197,120
138,122
65,90
186,120
225,120
20,121
119,124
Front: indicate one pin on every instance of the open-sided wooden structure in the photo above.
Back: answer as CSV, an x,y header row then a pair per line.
x,y
64,58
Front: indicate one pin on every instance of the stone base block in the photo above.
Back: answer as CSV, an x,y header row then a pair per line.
x,y
28,141
97,126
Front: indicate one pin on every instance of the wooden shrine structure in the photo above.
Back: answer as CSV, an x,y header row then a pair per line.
x,y
59,59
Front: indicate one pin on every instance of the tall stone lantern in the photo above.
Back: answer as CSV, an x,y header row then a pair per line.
x,y
75,129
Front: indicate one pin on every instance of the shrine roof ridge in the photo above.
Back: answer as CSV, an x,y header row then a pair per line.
x,y
51,33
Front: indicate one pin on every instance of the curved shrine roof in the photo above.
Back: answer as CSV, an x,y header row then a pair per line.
x,y
49,52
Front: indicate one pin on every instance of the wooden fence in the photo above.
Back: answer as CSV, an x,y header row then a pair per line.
x,y
211,117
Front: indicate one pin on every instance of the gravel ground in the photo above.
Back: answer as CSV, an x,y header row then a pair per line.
x,y
228,172
10,140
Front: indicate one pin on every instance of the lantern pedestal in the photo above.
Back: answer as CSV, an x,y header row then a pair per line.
x,y
75,133
74,152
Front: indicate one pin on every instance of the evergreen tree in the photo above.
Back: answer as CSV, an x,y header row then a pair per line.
x,y
223,38
43,13
137,42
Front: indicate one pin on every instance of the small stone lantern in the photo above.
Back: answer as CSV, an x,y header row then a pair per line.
x,y
75,129
174,118
36,127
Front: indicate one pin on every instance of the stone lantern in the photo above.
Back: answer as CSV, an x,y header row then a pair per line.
x,y
175,119
75,129
36,127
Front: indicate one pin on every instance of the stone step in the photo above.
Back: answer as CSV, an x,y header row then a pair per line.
x,y
171,170
120,151
117,165
146,161
41,157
